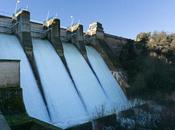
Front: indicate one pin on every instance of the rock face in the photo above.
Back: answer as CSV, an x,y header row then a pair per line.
x,y
3,123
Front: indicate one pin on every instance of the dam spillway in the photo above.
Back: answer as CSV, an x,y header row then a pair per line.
x,y
64,104
57,84
75,84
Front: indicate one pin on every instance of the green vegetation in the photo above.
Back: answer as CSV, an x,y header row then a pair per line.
x,y
159,42
11,101
149,64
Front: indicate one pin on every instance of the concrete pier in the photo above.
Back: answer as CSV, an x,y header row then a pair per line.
x,y
22,29
76,35
52,27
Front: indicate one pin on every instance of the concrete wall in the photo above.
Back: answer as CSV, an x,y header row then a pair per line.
x,y
37,30
9,73
115,43
5,24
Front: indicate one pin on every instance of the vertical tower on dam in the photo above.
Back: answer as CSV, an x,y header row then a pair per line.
x,y
22,28
52,28
76,36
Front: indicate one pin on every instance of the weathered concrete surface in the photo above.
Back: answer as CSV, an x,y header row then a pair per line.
x,y
3,123
76,35
115,43
52,26
9,73
5,24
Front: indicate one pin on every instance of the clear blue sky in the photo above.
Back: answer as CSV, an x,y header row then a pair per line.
x,y
124,18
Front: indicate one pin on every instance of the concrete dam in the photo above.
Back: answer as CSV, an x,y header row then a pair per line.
x,y
65,74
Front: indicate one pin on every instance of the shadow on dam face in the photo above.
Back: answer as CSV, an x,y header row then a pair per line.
x,y
62,96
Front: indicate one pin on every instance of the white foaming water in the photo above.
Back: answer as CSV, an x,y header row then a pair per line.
x,y
85,81
63,101
110,85
10,48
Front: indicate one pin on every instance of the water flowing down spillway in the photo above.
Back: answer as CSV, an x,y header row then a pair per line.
x,y
86,82
64,104
111,87
68,104
10,48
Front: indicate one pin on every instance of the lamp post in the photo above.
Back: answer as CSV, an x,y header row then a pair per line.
x,y
17,2
72,22
27,7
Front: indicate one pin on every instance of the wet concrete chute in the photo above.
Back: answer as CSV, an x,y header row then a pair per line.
x,y
109,84
58,89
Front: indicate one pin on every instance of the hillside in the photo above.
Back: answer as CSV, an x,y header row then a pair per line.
x,y
149,64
